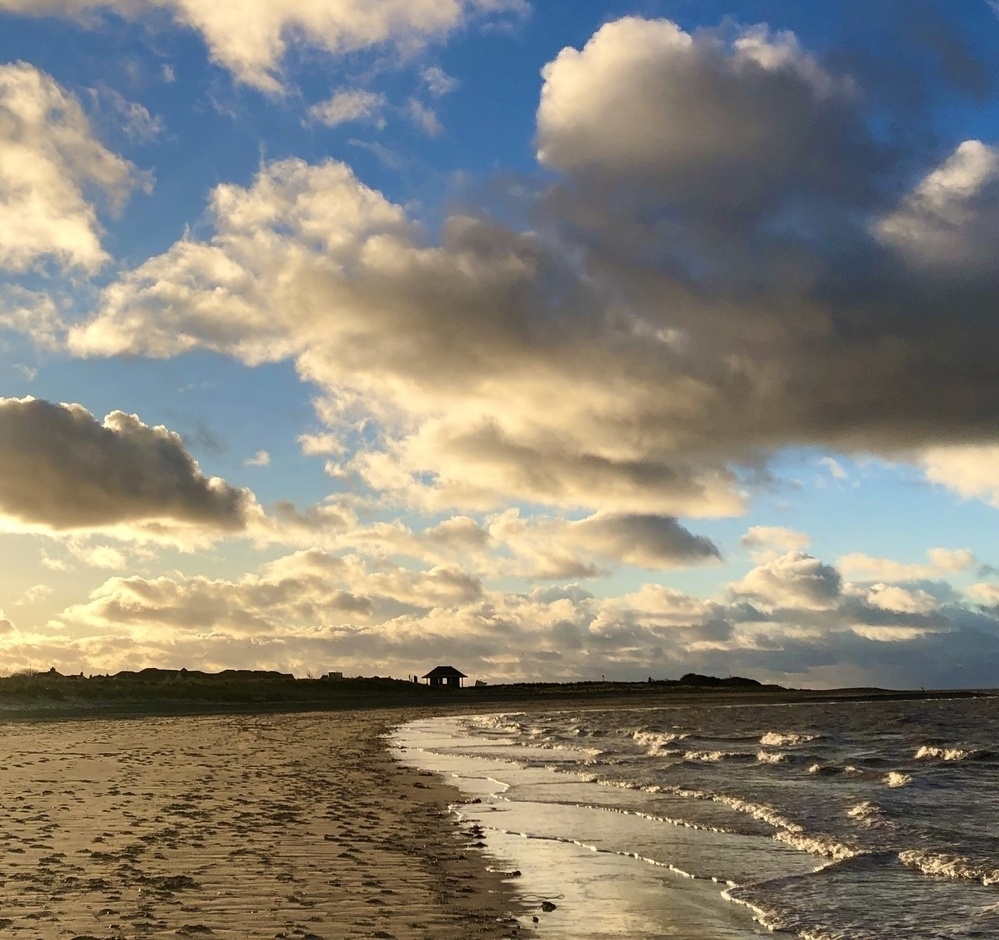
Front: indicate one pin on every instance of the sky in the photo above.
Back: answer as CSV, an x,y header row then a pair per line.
x,y
554,341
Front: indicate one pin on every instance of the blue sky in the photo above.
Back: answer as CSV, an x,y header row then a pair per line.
x,y
552,340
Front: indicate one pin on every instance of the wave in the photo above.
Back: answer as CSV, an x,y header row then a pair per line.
x,y
864,810
589,846
871,815
771,757
656,743
711,757
831,770
568,748
819,844
929,752
760,811
949,866
895,779
787,738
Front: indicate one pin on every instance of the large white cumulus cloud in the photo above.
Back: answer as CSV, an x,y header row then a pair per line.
x,y
250,37
51,168
463,351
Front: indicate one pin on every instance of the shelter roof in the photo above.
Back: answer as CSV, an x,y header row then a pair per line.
x,y
445,672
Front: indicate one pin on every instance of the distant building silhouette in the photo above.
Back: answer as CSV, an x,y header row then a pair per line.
x,y
445,675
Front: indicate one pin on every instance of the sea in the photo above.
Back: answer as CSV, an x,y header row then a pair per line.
x,y
850,820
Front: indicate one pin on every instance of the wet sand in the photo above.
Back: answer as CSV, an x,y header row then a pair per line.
x,y
295,827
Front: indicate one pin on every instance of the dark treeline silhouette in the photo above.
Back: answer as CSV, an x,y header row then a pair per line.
x,y
191,690
193,687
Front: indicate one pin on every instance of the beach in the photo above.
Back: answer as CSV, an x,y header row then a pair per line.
x,y
704,816
294,826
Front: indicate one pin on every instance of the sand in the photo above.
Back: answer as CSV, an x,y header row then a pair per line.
x,y
246,826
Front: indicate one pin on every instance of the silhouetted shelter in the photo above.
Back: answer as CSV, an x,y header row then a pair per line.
x,y
445,675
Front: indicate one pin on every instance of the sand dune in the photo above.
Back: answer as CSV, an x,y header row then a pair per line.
x,y
251,826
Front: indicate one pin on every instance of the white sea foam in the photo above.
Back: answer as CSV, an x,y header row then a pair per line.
x,y
927,752
869,814
818,844
771,757
948,866
657,743
787,738
863,810
760,811
896,779
709,757
569,748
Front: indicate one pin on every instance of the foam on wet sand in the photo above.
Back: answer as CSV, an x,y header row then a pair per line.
x,y
238,826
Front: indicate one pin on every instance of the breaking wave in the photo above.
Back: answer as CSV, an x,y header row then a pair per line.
x,y
949,866
787,738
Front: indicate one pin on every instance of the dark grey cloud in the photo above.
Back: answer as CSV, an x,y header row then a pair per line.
x,y
62,469
707,125
645,540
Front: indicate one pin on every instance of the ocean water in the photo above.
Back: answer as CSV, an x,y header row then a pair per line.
x,y
859,820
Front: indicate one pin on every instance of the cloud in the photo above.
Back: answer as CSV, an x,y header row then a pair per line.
x,y
93,551
251,37
424,118
349,105
35,314
33,595
792,621
895,598
940,561
766,542
51,166
644,540
98,556
260,459
438,82
794,580
548,548
710,124
306,591
949,220
322,443
971,471
308,263
252,606
130,117
834,468
985,593
63,471
704,287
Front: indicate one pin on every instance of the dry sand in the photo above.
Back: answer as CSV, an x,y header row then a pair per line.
x,y
243,827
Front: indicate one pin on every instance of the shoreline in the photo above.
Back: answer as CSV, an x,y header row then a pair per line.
x,y
245,822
